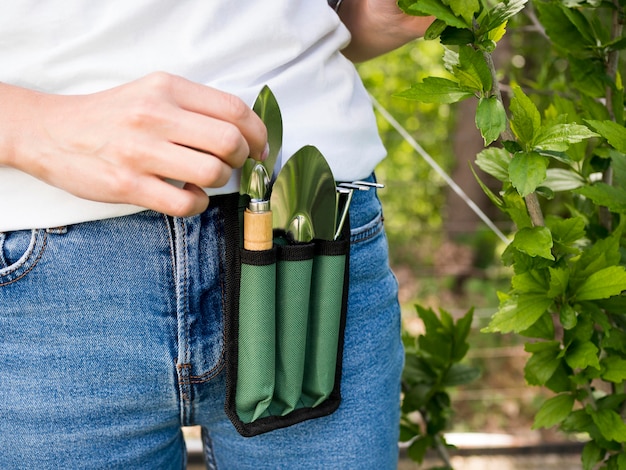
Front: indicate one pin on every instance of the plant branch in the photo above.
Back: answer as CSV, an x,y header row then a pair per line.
x,y
611,70
529,11
442,451
532,202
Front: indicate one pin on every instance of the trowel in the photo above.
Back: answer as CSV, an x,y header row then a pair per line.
x,y
256,177
303,198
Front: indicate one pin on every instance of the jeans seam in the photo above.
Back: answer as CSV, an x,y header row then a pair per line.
x,y
207,448
369,233
183,367
26,258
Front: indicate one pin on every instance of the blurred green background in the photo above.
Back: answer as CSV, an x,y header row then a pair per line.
x,y
443,255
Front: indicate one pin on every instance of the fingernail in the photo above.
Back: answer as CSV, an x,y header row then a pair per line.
x,y
266,152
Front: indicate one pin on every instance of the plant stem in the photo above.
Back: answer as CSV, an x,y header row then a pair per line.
x,y
442,451
529,11
532,202
611,70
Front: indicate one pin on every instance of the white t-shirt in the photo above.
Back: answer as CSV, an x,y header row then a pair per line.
x,y
80,46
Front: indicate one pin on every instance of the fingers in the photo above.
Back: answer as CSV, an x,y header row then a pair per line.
x,y
225,109
168,160
219,138
162,197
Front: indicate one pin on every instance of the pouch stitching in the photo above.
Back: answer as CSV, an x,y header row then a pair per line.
x,y
26,258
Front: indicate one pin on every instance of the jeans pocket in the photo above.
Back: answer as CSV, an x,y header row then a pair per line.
x,y
19,253
368,230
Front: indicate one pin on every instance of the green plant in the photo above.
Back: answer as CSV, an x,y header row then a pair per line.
x,y
559,149
433,365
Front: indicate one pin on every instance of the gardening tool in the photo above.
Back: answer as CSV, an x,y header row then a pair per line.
x,y
303,197
256,177
345,191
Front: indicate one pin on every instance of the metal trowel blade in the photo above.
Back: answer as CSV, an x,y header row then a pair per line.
x,y
266,107
303,197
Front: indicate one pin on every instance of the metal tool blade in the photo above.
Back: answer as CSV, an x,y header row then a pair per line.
x,y
253,179
303,197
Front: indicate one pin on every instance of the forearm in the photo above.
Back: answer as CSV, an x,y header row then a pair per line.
x,y
377,27
15,119
122,145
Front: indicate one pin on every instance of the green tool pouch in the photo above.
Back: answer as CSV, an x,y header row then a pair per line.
x,y
285,317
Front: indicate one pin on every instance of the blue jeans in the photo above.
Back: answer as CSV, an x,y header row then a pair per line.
x,y
112,338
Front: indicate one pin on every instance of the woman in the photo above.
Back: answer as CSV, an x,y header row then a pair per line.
x,y
123,125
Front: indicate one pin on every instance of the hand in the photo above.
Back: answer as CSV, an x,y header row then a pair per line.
x,y
120,145
379,26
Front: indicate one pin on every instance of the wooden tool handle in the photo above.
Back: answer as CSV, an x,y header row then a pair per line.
x,y
257,230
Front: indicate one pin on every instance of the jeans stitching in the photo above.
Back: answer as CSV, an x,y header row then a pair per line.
x,y
209,453
210,374
27,258
365,233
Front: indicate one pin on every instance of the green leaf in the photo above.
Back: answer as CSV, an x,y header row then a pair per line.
x,y
543,362
588,76
464,8
582,24
560,28
610,425
502,12
417,370
499,203
461,332
497,33
418,448
613,369
568,316
605,195
435,29
473,71
618,163
529,282
580,355
439,10
408,431
534,241
603,284
490,118
566,231
495,162
515,207
518,313
602,254
554,411
541,329
614,133
411,7
560,136
460,374
559,278
527,170
436,90
577,421
560,179
525,117
452,36
591,455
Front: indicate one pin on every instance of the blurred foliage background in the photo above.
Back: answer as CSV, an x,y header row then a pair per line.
x,y
440,251
442,254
